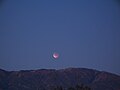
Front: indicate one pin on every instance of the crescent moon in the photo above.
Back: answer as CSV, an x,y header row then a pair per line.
x,y
55,55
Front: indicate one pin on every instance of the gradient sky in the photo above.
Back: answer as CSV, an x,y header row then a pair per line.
x,y
86,33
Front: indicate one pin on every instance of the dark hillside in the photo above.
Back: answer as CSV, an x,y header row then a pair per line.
x,y
50,79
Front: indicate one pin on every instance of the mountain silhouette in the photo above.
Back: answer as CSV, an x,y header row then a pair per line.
x,y
47,79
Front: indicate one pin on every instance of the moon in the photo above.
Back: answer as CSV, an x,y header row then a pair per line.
x,y
55,55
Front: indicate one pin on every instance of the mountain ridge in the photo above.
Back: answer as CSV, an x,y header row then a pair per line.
x,y
44,79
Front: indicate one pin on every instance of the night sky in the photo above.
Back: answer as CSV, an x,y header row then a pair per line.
x,y
85,33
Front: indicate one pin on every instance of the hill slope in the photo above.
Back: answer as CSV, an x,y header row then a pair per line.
x,y
45,79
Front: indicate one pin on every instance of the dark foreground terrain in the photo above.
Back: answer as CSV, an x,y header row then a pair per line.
x,y
63,79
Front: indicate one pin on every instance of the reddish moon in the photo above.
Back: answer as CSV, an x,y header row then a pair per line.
x,y
55,55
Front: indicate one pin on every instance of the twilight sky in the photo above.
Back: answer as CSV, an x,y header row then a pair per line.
x,y
86,33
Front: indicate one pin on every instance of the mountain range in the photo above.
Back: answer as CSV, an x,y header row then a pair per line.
x,y
47,79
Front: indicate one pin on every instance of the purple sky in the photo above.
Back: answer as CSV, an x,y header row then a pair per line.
x,y
85,33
